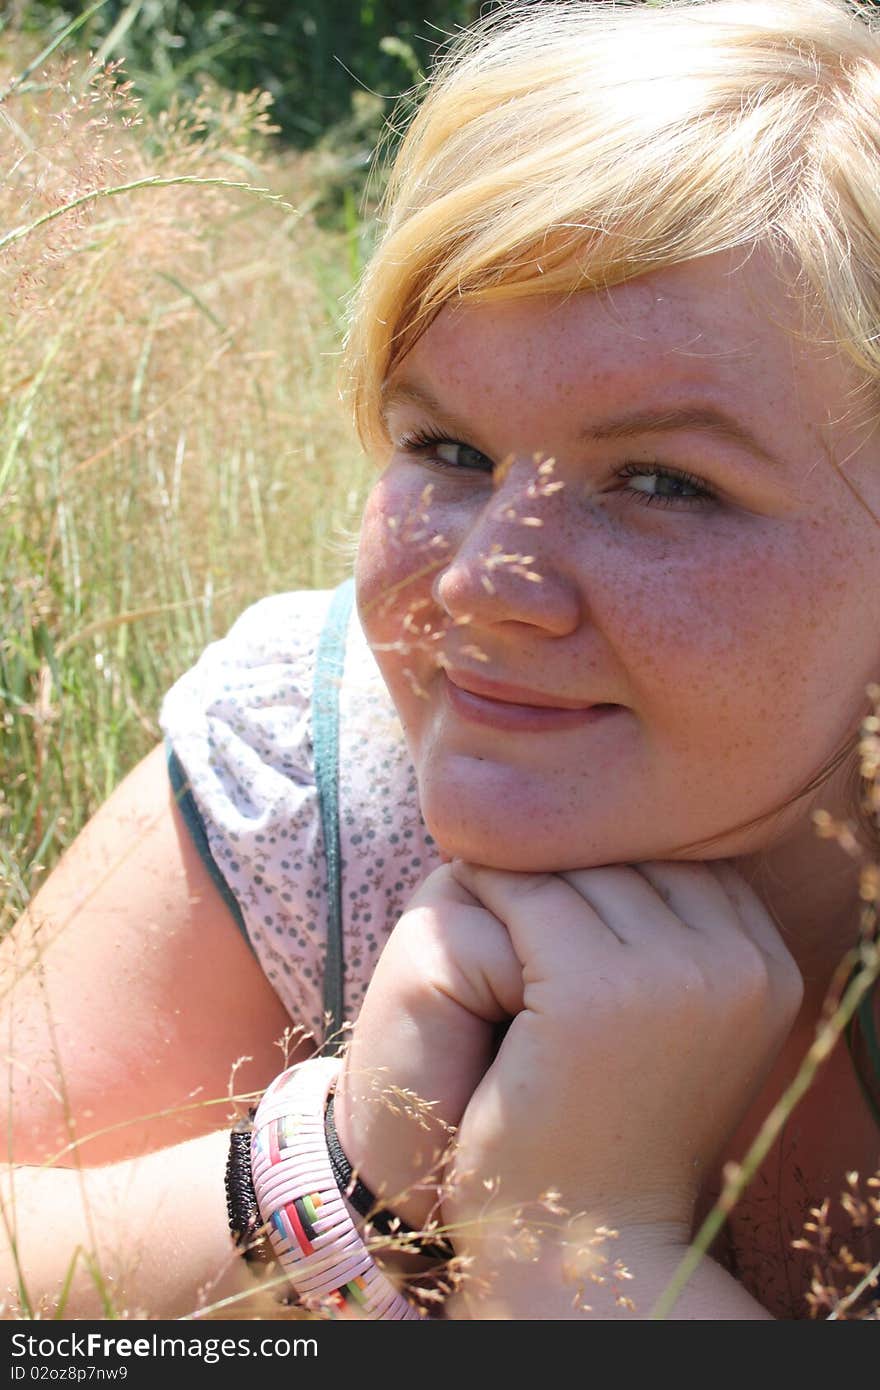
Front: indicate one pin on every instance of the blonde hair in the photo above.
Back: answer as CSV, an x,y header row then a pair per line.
x,y
572,146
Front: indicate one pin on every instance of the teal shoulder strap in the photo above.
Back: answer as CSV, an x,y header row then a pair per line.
x,y
329,662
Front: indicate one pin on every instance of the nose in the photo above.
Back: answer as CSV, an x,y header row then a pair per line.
x,y
513,561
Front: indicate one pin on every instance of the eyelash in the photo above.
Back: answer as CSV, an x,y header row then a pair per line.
x,y
420,442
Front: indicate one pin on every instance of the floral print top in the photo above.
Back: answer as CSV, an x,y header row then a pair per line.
x,y
239,723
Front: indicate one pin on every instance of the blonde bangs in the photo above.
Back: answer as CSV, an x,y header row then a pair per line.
x,y
571,147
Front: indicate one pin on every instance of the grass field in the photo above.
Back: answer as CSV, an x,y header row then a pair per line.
x,y
172,442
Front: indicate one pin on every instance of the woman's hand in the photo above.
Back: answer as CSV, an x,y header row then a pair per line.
x,y
648,1003
654,1000
424,1038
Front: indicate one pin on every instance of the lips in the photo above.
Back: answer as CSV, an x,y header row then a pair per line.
x,y
513,694
516,708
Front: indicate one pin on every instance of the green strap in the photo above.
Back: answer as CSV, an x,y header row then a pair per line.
x,y
329,661
192,819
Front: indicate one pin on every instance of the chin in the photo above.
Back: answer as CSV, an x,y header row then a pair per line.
x,y
518,849
545,844
492,855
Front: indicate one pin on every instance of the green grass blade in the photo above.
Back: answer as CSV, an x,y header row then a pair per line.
x,y
197,300
94,195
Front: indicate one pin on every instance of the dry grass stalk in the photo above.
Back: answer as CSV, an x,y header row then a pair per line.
x,y
171,442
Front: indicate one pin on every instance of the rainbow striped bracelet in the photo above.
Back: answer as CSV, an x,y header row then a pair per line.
x,y
309,1225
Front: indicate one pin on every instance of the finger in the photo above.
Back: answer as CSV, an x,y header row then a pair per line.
x,y
547,919
449,941
755,917
442,886
717,901
693,894
628,902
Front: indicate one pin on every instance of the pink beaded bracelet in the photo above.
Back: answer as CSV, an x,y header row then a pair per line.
x,y
310,1228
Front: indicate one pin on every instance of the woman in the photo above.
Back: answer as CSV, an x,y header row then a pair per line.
x,y
615,353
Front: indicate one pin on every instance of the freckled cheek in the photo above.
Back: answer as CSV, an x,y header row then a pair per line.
x,y
396,564
718,623
384,558
372,540
406,536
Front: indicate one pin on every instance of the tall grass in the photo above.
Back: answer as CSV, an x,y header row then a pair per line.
x,y
172,445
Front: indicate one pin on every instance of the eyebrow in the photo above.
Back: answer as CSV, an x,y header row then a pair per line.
x,y
710,419
699,415
408,393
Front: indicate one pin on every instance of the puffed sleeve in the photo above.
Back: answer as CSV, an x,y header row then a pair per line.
x,y
239,739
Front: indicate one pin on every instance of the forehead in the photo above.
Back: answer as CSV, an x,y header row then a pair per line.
x,y
721,319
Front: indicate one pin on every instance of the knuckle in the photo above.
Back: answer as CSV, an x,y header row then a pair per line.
x,y
695,978
413,938
753,970
791,986
439,881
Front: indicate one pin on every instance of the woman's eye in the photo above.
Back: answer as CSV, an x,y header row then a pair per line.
x,y
444,453
669,487
460,455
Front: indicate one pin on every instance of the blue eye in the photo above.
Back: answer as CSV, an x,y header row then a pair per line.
x,y
672,477
443,452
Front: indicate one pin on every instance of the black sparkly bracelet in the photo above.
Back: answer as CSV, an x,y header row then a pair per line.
x,y
365,1204
245,1222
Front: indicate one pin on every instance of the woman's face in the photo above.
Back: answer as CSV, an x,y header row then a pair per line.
x,y
729,616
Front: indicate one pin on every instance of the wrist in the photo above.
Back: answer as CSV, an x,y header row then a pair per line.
x,y
394,1147
580,1269
404,1249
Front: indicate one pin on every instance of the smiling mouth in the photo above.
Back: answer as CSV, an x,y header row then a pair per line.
x,y
514,708
501,693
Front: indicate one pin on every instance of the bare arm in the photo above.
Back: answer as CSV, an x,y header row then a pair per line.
x,y
144,1237
127,996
